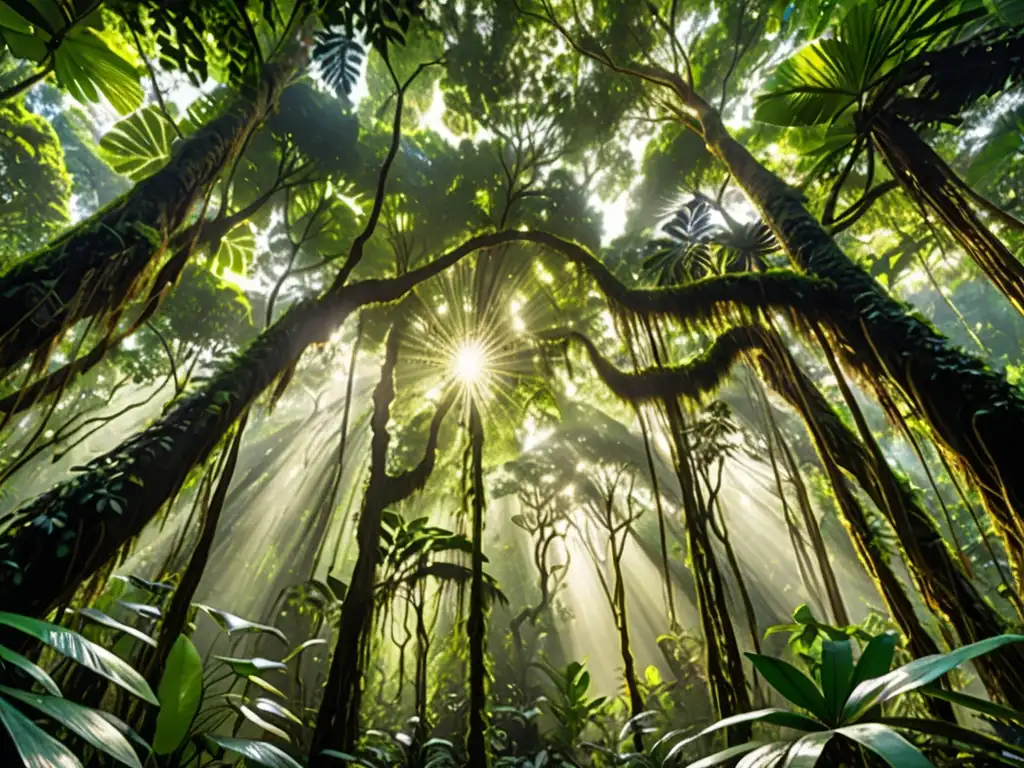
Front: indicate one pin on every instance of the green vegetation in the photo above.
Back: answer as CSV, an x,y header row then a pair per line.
x,y
426,383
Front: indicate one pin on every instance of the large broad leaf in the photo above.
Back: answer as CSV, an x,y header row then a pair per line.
x,y
37,673
824,79
887,744
917,673
807,749
1010,12
984,706
258,752
836,672
236,251
88,654
139,145
101,618
180,693
35,746
771,716
89,724
791,683
977,740
719,758
236,624
86,66
875,659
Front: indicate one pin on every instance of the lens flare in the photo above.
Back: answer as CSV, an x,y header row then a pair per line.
x,y
469,362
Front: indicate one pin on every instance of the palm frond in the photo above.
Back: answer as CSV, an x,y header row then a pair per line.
x,y
339,60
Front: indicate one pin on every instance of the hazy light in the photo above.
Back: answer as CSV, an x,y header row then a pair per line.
x,y
470,361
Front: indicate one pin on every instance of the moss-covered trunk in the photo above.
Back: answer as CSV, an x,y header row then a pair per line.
x,y
973,410
476,625
937,572
726,680
93,269
934,186
337,725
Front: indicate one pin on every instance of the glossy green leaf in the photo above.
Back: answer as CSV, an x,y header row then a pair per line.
x,y
791,683
35,746
887,744
262,724
916,674
836,672
181,693
236,624
875,659
271,707
726,755
807,749
252,666
89,724
984,706
236,252
970,737
299,649
139,145
33,670
88,654
259,752
99,617
780,717
86,66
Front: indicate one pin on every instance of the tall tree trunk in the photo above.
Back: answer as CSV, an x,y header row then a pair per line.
x,y
476,625
63,536
726,679
973,410
104,261
937,572
636,701
337,725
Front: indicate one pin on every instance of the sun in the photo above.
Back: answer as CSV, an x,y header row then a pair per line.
x,y
469,361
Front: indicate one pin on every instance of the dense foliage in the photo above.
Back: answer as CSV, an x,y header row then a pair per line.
x,y
527,383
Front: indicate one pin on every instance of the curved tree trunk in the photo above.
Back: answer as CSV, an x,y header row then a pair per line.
x,y
105,260
65,535
973,411
337,726
937,572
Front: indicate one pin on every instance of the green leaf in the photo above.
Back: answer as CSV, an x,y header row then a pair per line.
x,y
807,749
948,731
260,682
299,649
236,624
259,722
32,670
887,744
37,748
236,251
916,674
88,654
247,667
771,716
1010,12
875,659
791,683
85,66
89,724
258,752
10,19
99,617
139,145
984,706
180,693
722,757
273,708
836,671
